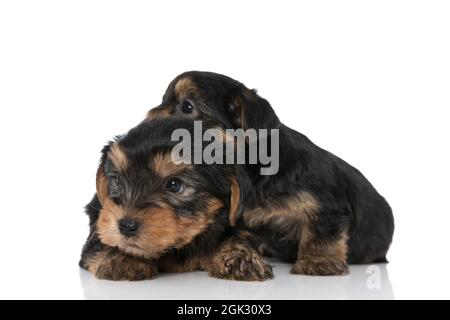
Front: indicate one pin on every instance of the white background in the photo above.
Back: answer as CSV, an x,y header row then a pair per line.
x,y
367,80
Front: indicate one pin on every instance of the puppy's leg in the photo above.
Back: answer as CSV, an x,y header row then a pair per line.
x,y
323,247
237,259
110,263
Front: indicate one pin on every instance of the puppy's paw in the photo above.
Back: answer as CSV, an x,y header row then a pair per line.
x,y
122,267
320,266
241,266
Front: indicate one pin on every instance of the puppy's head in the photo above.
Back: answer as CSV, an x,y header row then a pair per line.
x,y
150,204
202,95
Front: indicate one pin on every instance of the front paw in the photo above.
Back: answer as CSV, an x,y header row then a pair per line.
x,y
241,266
320,266
122,267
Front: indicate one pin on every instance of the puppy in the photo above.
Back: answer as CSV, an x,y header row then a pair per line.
x,y
317,211
151,215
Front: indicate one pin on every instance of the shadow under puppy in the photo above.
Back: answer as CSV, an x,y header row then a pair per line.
x,y
151,215
317,210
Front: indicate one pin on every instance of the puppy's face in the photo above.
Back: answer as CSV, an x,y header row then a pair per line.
x,y
203,95
150,204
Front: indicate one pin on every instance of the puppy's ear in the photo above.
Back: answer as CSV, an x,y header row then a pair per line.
x,y
101,180
249,110
239,194
101,184
235,200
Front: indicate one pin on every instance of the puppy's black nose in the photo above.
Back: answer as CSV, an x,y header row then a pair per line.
x,y
128,227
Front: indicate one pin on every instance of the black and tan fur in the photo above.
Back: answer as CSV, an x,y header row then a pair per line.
x,y
318,211
141,226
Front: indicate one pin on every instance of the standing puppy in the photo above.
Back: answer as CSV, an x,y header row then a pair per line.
x,y
316,211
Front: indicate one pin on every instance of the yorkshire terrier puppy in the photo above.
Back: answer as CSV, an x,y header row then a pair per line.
x,y
317,211
152,215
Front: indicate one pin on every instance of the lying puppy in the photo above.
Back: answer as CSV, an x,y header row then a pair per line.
x,y
316,211
151,215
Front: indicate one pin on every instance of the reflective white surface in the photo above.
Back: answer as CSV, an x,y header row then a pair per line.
x,y
363,282
46,275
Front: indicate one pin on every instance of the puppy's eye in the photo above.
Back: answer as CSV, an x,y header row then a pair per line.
x,y
175,185
114,179
114,189
187,107
114,182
